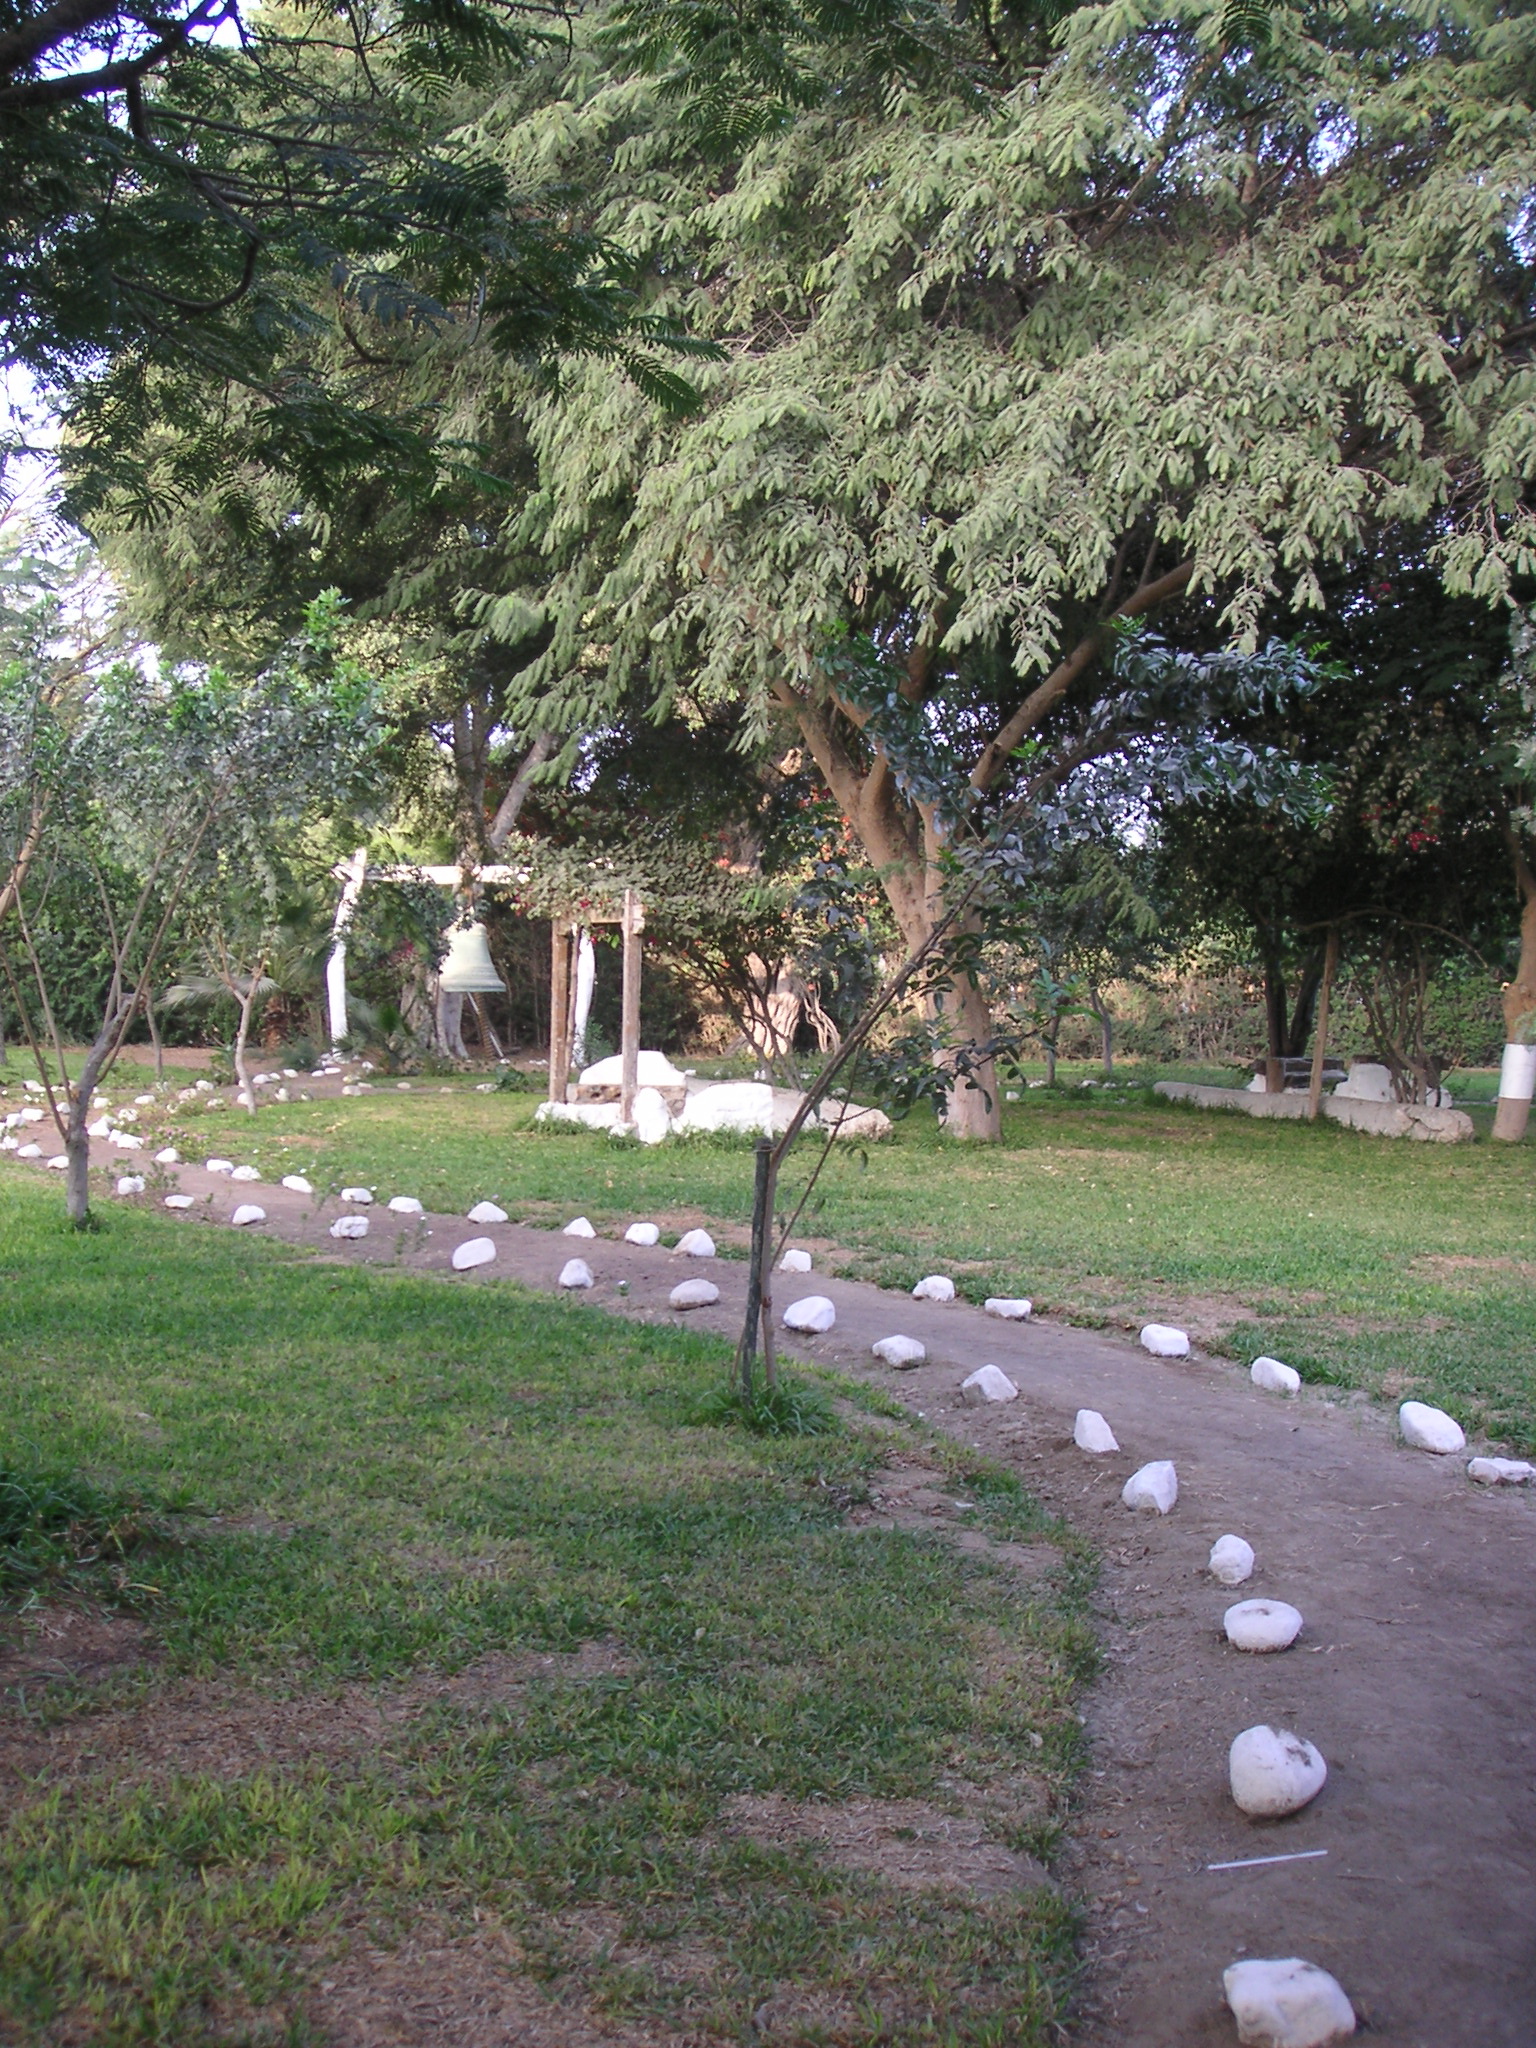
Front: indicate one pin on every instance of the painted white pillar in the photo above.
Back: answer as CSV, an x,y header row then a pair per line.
x,y
586,977
356,873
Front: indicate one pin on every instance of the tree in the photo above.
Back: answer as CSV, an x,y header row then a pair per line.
x,y
200,196
146,788
1057,341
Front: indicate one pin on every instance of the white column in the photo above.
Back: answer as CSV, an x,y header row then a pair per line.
x,y
586,976
355,873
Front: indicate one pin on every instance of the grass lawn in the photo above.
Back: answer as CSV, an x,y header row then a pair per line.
x,y
467,1634
1398,1267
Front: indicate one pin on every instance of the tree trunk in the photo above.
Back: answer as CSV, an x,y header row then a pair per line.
x,y
450,1025
1106,1033
1050,1060
1275,1021
1517,1076
77,1180
973,1110
243,1089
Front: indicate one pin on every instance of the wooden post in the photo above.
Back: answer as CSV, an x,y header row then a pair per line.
x,y
632,925
1320,1037
559,1009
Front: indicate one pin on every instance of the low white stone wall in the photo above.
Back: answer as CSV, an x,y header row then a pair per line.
x,y
1381,1119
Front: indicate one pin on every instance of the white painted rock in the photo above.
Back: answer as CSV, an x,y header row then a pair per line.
x,y
245,1173
653,1119
248,1212
59,1161
578,1227
10,1144
486,1212
1090,1432
574,1273
743,1106
1500,1471
694,1294
361,1196
126,1142
1231,1560
130,1184
652,1070
1274,1377
795,1261
168,1156
815,1314
1262,1625
297,1184
900,1352
474,1251
1430,1429
29,1151
987,1383
178,1201
695,1244
102,1128
1286,2004
219,1166
1011,1311
350,1226
1163,1341
1274,1772
1153,1490
937,1287
642,1233
406,1205
143,1098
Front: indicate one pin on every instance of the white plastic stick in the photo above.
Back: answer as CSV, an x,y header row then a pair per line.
x,y
1253,1862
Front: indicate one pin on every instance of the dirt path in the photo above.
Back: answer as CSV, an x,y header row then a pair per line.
x,y
1415,1674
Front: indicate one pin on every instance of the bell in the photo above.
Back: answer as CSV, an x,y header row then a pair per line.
x,y
467,967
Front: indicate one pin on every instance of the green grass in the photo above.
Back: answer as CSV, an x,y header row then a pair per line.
x,y
1393,1266
385,1479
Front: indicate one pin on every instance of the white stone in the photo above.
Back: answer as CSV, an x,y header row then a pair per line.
x,y
653,1119
218,1166
795,1261
141,1099
347,1088
1286,2004
574,1273
474,1251
900,1352
248,1212
815,1314
652,1070
1163,1341
1011,1310
350,1226
1500,1471
1367,1081
168,1156
59,1161
851,1120
695,1244
1153,1489
245,1173
10,1144
29,1151
281,1095
405,1205
742,1106
130,1183
102,1128
1430,1429
486,1212
29,1115
178,1201
987,1383
125,1142
1231,1561
937,1287
1274,1377
1262,1625
297,1184
362,1196
290,1073
642,1233
1090,1432
694,1294
578,1227
1274,1772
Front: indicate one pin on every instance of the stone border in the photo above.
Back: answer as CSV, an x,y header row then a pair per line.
x,y
1380,1119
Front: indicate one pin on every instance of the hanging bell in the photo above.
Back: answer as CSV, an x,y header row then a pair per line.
x,y
468,968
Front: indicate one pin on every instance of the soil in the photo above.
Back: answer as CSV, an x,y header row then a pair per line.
x,y
1414,1673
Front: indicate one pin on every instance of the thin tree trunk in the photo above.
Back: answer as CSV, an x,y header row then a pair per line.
x,y
450,1025
244,1090
1320,1041
154,1038
1106,1032
1518,1073
77,1176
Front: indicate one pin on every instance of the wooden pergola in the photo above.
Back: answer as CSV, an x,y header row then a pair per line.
x,y
565,932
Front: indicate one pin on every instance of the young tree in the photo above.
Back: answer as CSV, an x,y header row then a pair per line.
x,y
147,788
